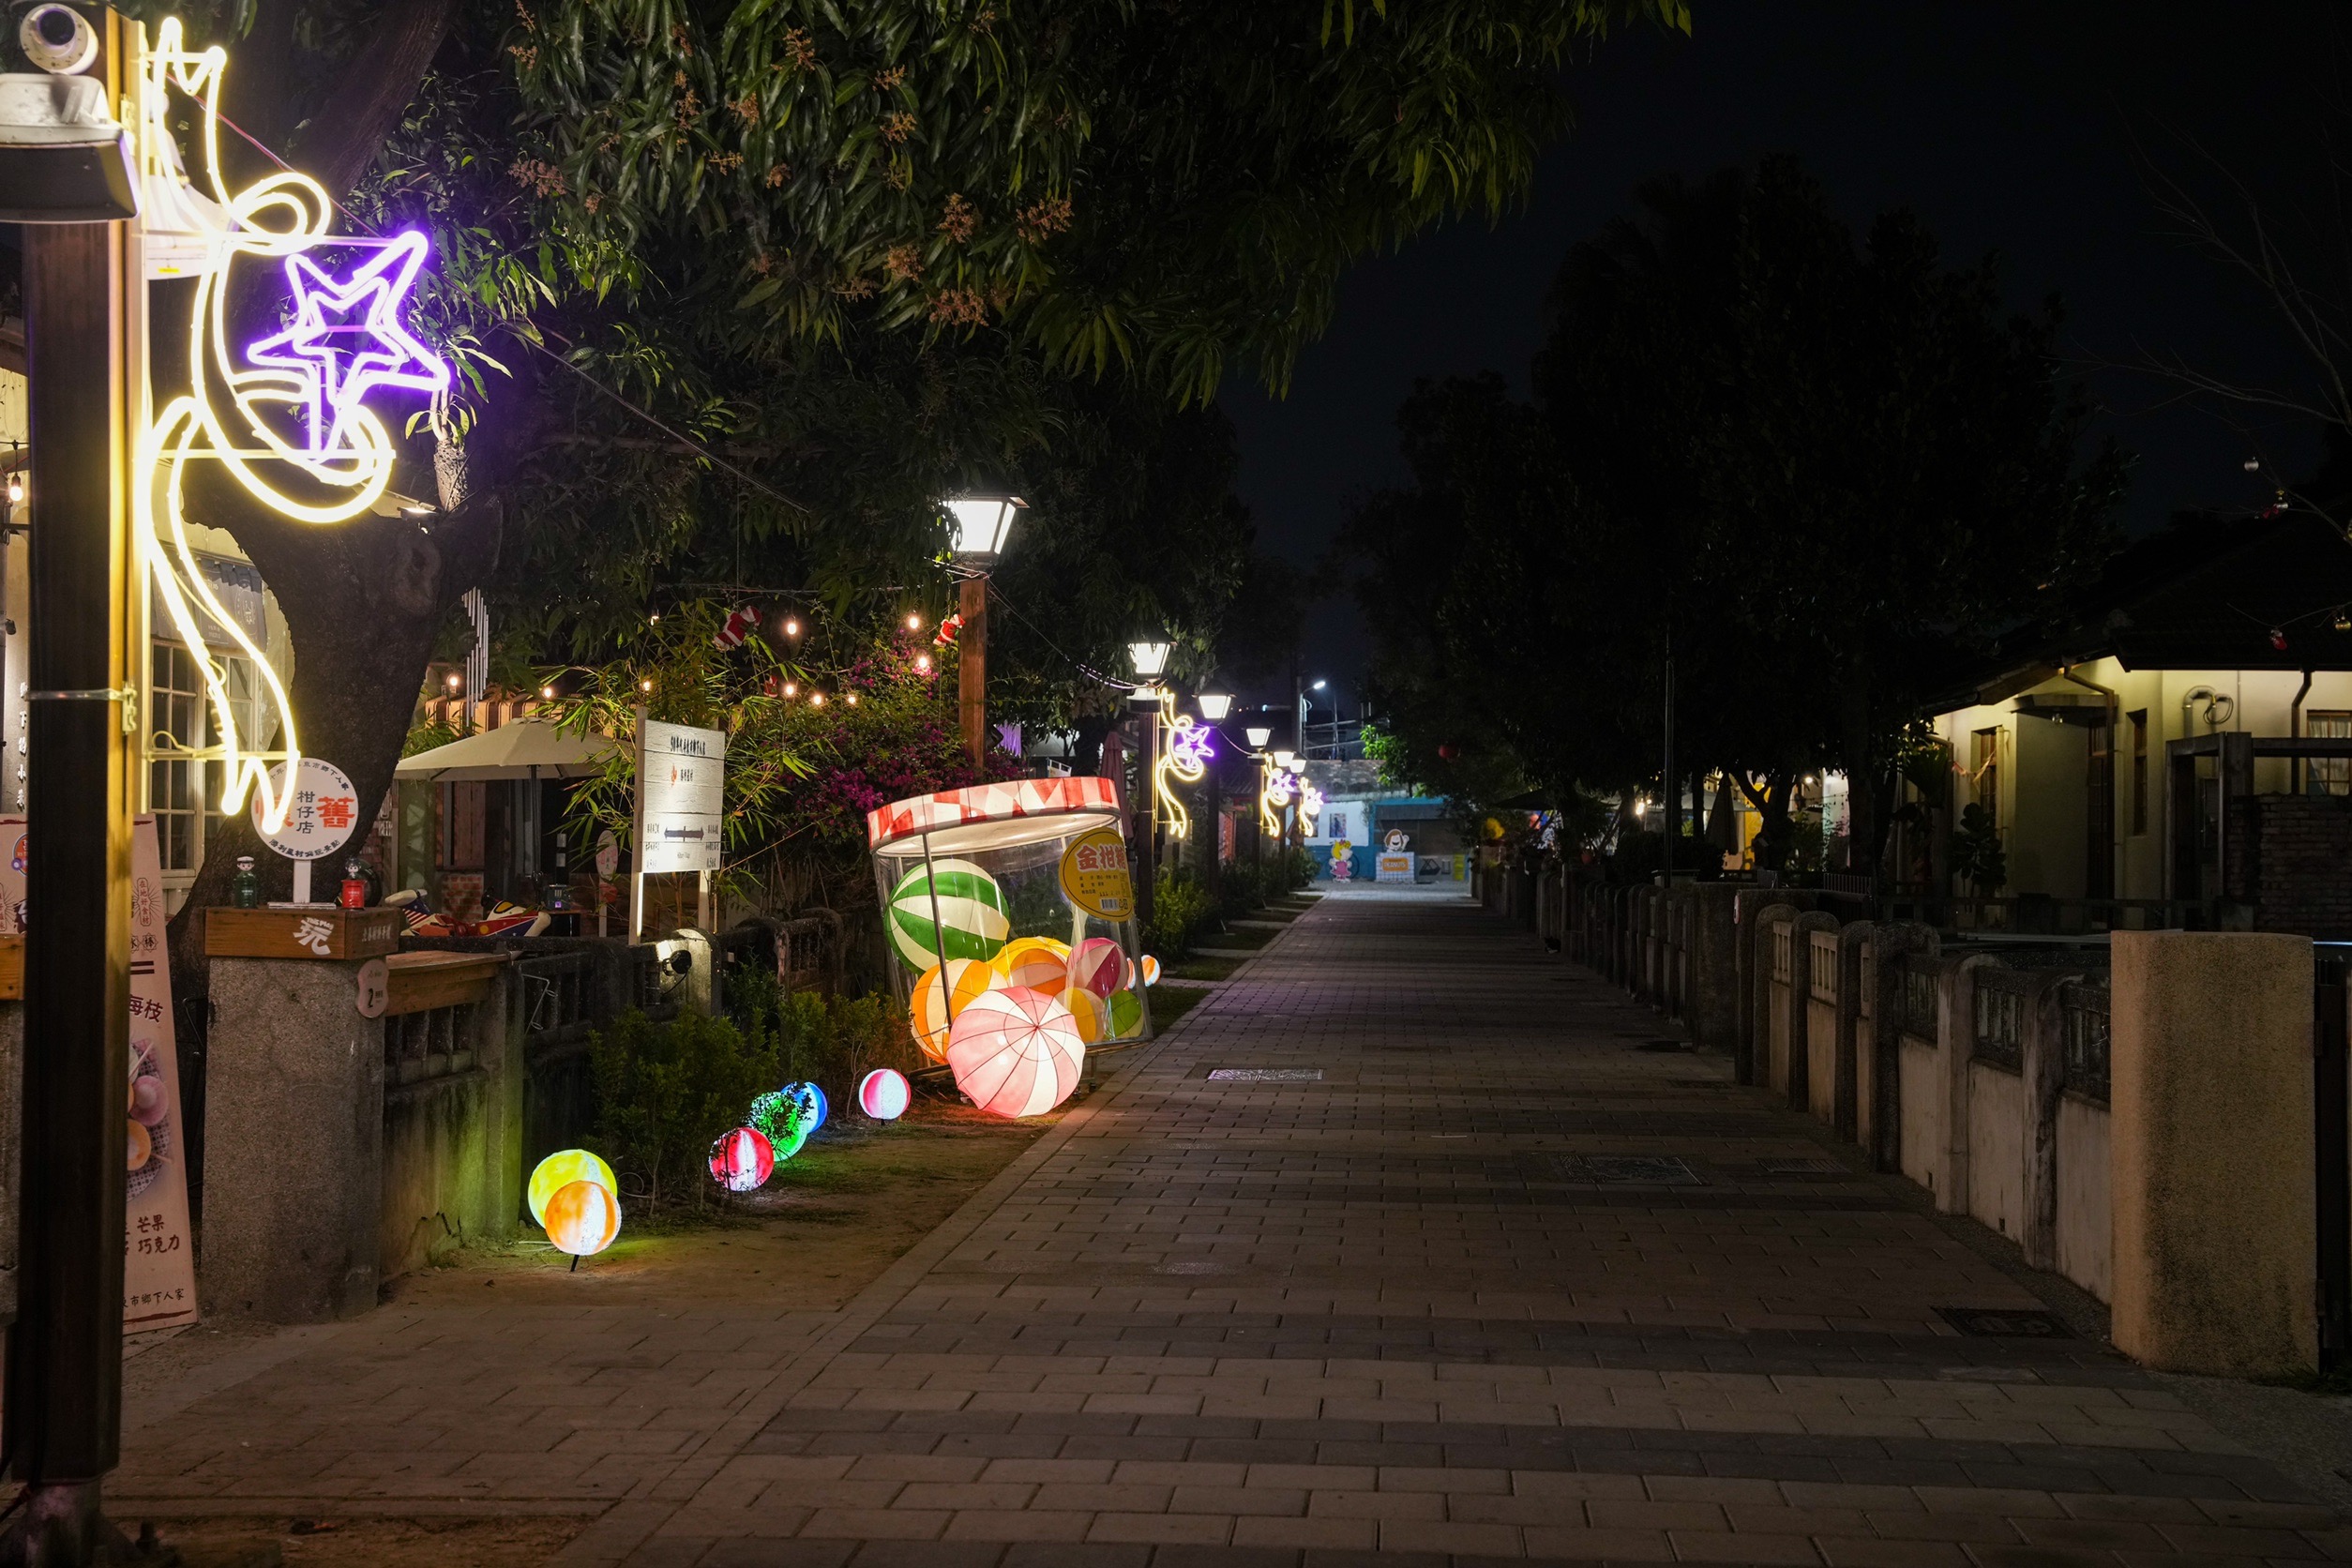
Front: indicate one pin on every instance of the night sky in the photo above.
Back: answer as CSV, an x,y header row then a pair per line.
x,y
2010,128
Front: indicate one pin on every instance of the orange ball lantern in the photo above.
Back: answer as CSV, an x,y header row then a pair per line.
x,y
582,1218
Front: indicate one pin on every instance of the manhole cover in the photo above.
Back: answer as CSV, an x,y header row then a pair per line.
x,y
1663,1044
2002,1323
1815,1167
1265,1075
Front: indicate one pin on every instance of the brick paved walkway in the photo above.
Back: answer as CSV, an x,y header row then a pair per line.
x,y
1467,1269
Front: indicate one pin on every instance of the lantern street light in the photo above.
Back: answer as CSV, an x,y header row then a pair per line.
x,y
1215,706
1148,657
1259,736
981,524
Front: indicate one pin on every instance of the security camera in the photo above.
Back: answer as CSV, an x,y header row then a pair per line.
x,y
58,39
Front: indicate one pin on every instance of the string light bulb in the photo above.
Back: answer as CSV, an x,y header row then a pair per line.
x,y
922,663
816,699
850,699
792,626
16,490
546,694
791,688
452,683
914,622
646,685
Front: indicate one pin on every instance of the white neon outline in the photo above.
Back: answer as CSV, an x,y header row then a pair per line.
x,y
1273,794
1181,759
279,217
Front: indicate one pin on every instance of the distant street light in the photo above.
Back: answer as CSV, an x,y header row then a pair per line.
x,y
981,524
1149,658
1215,706
1259,736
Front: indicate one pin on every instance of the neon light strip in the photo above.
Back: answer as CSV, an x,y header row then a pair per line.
x,y
346,449
1185,753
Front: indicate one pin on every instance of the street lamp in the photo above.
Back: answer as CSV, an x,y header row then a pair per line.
x,y
1259,736
1215,705
981,524
1148,657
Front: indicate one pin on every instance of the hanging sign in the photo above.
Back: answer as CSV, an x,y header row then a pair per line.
x,y
158,1264
1094,875
322,811
681,774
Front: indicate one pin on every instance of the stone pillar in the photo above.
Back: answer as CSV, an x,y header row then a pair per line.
x,y
293,1145
1891,942
11,1147
1764,1010
1752,971
1956,1047
1800,1006
1855,1009
2211,1099
1715,999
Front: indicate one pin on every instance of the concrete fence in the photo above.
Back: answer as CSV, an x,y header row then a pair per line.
x,y
2148,1134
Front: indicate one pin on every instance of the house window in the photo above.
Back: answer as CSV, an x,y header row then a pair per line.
x,y
2139,770
183,790
1984,770
2329,776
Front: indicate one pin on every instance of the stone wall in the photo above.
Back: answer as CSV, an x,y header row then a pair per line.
x,y
2290,857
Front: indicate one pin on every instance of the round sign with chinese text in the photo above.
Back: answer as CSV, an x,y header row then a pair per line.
x,y
323,816
1094,875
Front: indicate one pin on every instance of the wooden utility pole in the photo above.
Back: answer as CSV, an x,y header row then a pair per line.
x,y
972,665
83,359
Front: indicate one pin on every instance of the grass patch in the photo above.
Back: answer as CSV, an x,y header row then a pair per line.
x,y
1272,912
1171,1003
1235,939
1203,969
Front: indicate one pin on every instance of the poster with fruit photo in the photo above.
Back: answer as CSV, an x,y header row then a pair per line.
x,y
158,1262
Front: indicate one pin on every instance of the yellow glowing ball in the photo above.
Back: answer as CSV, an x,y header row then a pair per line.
x,y
936,1011
1089,1012
1040,963
561,1170
582,1218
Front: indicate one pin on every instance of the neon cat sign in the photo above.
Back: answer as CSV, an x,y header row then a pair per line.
x,y
296,400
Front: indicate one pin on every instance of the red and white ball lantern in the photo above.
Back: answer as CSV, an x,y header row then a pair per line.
x,y
743,1160
883,1095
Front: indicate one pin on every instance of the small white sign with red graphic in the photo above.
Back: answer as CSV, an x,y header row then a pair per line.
x,y
325,813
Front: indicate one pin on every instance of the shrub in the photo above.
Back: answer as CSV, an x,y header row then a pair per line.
x,y
666,1091
1180,908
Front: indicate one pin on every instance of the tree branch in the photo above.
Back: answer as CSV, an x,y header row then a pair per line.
x,y
376,89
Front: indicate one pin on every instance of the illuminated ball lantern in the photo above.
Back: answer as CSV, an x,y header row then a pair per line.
x,y
1023,886
1035,963
782,1119
1016,1052
560,1171
1089,1012
947,909
934,1005
1150,970
883,1095
743,1160
814,1107
582,1218
1127,1015
1099,965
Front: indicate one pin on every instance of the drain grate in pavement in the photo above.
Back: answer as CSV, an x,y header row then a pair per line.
x,y
1654,1170
1425,1051
1663,1045
1265,1075
2002,1323
1817,1165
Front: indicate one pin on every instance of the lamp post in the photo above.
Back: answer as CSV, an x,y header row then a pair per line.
x,y
1215,706
1258,735
1149,659
981,523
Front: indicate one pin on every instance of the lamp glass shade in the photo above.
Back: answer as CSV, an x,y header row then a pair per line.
x,y
1149,658
1259,736
1215,705
982,523
1284,759
1297,765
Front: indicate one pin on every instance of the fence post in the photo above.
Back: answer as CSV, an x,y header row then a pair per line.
x,y
2212,1117
2043,1066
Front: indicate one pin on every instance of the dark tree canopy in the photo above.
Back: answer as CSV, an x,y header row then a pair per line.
x,y
1807,467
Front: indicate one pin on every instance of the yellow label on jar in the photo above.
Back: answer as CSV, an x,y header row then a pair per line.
x,y
1094,875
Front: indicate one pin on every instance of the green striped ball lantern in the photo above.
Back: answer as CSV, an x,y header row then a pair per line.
x,y
970,906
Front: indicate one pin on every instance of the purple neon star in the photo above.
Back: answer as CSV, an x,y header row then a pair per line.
x,y
347,338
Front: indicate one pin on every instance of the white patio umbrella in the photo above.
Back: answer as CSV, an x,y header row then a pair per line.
x,y
525,748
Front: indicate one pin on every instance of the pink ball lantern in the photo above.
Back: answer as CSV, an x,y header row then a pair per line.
x,y
1097,965
882,1094
743,1160
1015,1052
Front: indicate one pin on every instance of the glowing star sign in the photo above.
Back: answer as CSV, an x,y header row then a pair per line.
x,y
343,360
346,341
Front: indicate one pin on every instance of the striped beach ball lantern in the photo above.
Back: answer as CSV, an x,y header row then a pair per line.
x,y
743,1160
783,1120
1015,1052
560,1171
1089,1012
883,1095
1127,1015
935,1006
1038,963
1098,966
581,1218
814,1107
970,909
1150,970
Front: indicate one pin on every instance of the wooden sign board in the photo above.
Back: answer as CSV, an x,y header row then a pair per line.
x,y
308,933
12,967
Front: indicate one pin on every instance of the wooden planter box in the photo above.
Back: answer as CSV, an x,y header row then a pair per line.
x,y
418,982
12,968
327,933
